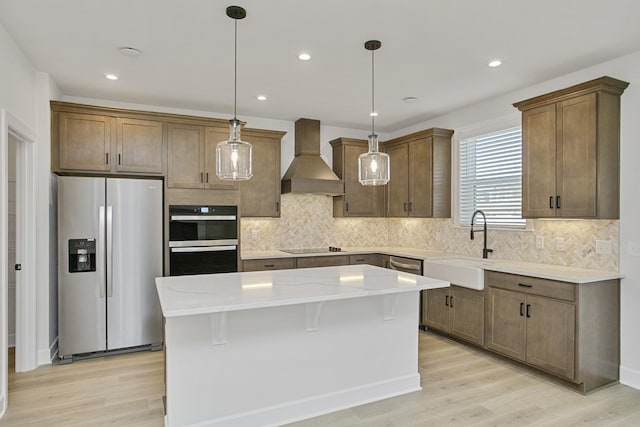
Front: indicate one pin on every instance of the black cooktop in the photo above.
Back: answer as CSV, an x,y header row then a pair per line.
x,y
312,250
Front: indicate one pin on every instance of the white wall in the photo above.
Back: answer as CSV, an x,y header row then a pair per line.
x,y
625,68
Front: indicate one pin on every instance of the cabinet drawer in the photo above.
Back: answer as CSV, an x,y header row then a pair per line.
x,y
323,261
531,285
371,259
268,264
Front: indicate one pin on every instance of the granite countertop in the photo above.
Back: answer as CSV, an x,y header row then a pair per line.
x,y
214,293
544,271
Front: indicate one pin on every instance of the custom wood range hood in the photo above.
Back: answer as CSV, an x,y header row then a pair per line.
x,y
308,173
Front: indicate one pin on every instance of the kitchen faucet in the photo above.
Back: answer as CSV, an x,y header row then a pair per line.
x,y
485,251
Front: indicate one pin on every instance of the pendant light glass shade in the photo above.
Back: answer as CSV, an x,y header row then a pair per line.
x,y
234,157
374,167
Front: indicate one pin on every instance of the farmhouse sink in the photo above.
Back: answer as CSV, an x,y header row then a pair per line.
x,y
463,271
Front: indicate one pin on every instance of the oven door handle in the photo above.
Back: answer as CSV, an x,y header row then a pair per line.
x,y
204,249
203,218
194,243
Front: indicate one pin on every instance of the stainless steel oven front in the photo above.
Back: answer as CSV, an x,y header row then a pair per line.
x,y
203,239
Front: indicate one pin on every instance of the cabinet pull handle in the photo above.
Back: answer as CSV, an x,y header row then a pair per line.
x,y
360,260
269,265
550,202
410,206
528,307
106,158
446,300
524,285
346,207
558,202
277,206
451,301
404,207
206,177
119,159
521,309
201,177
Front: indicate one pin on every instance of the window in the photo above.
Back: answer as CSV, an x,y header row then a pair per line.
x,y
491,178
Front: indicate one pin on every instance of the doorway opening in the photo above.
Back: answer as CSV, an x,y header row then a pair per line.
x,y
13,131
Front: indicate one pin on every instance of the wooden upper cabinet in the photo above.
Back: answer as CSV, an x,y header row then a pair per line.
x,y
420,184
571,150
192,157
87,139
358,200
260,196
139,146
185,156
83,142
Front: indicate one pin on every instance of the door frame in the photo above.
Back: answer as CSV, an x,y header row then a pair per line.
x,y
26,289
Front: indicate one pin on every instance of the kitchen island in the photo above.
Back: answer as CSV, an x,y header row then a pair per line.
x,y
271,347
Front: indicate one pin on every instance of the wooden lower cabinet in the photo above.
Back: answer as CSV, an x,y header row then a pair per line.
x,y
566,329
268,264
371,259
455,310
322,261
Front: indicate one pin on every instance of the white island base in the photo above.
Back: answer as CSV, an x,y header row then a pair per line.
x,y
307,342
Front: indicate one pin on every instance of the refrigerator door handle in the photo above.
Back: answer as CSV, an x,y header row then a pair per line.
x,y
109,251
101,231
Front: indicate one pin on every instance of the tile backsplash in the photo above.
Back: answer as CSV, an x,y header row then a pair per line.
x,y
307,222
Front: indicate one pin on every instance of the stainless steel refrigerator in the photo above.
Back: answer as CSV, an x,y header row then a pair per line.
x,y
109,254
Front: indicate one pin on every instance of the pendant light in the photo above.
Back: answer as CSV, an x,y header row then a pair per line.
x,y
234,157
373,166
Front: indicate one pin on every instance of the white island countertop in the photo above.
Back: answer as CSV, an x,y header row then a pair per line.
x,y
214,293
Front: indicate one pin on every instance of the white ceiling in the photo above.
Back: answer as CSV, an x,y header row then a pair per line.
x,y
435,50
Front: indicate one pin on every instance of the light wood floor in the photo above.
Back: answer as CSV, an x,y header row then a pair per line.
x,y
461,387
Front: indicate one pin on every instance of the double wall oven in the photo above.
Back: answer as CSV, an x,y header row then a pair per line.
x,y
203,239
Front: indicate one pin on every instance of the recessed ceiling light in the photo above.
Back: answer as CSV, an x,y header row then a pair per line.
x,y
261,97
304,56
131,52
495,63
111,76
373,114
410,99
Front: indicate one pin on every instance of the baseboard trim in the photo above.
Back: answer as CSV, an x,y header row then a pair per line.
x,y
630,377
319,405
45,356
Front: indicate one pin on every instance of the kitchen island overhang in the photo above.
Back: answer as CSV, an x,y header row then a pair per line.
x,y
271,347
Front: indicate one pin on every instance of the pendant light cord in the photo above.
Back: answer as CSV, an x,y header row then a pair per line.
x,y
373,108
235,69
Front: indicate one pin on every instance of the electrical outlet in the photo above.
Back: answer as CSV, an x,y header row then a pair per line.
x,y
634,248
561,245
603,247
539,242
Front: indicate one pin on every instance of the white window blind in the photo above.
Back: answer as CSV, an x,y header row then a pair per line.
x,y
491,178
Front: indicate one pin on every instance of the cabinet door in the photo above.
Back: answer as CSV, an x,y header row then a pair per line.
x,y
435,308
466,309
576,154
139,146
551,335
539,162
212,137
506,323
360,200
84,142
397,188
322,261
260,196
186,153
420,178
